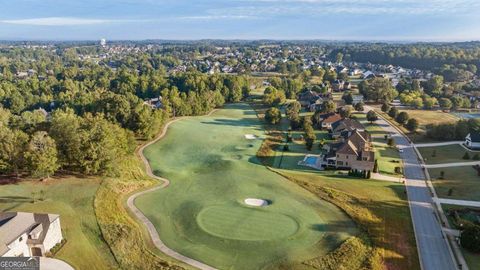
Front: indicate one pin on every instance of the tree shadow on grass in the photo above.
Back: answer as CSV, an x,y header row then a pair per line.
x,y
255,125
14,199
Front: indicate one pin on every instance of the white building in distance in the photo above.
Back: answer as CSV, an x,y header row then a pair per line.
x,y
28,234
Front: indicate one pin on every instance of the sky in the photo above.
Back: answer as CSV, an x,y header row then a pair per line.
x,y
383,20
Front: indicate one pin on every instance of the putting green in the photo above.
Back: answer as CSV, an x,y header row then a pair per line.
x,y
246,224
213,168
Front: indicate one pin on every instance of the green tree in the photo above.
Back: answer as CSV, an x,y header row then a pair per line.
x,y
412,124
385,107
445,103
273,116
13,145
378,89
372,116
402,118
346,111
273,96
470,238
41,155
393,112
359,107
328,106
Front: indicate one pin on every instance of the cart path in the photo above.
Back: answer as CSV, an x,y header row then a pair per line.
x,y
152,231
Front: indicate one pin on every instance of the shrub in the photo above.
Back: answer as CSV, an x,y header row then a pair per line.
x,y
390,142
375,166
398,170
466,156
470,238
476,157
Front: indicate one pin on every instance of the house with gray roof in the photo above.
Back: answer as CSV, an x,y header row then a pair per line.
x,y
28,234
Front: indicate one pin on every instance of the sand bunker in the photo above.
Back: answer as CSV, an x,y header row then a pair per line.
x,y
250,137
256,202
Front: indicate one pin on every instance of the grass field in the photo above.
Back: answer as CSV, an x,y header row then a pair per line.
x,y
213,168
71,198
379,208
445,154
464,182
424,117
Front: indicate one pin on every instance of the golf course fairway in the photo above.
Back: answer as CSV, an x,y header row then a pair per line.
x,y
213,169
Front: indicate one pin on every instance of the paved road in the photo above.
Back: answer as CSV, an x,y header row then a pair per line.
x,y
433,249
438,144
150,227
459,202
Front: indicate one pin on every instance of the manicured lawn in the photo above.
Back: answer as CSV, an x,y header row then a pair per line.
x,y
380,208
387,157
213,168
71,198
426,117
464,182
445,154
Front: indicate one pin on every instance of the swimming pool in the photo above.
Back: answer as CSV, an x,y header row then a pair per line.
x,y
310,161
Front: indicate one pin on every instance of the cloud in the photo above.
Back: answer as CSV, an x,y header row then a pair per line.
x,y
58,21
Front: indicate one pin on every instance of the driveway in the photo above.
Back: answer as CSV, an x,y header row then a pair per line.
x,y
453,164
53,264
438,144
434,251
459,202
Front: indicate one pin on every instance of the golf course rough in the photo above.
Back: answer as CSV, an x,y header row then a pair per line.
x,y
213,169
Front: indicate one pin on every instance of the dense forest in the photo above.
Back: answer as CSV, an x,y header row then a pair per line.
x,y
84,118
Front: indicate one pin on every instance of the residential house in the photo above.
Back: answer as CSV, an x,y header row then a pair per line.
x,y
28,234
308,97
351,152
154,103
357,99
368,75
338,85
345,126
472,140
327,119
347,86
317,105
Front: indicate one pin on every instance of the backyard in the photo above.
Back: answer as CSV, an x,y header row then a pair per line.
x,y
71,198
212,175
